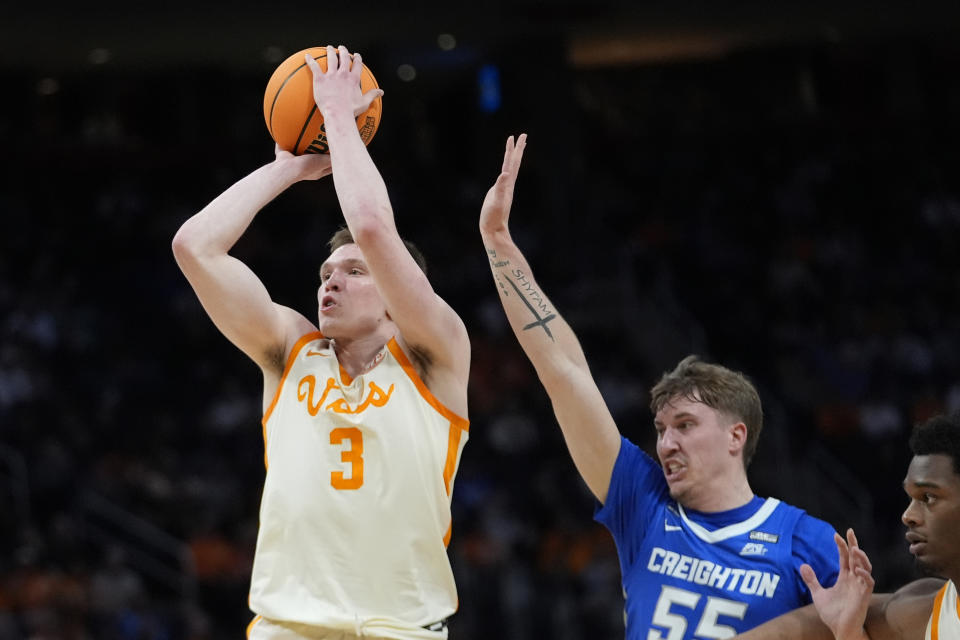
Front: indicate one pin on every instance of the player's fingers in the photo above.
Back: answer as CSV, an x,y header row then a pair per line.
x,y
518,150
852,538
333,62
865,577
344,56
809,578
368,98
314,67
507,154
514,153
864,580
842,552
861,559
357,65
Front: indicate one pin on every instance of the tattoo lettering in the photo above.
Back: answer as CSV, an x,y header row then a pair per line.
x,y
493,259
528,293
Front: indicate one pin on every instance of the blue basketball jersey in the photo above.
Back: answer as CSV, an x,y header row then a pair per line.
x,y
689,575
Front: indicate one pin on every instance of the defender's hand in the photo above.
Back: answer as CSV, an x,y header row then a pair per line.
x,y
495,212
843,607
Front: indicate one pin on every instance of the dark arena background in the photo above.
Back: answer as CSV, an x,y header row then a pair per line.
x,y
773,186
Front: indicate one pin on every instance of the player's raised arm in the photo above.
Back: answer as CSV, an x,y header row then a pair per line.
x,y
232,295
427,325
588,427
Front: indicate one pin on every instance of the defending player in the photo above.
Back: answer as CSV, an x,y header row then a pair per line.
x,y
364,412
701,556
927,609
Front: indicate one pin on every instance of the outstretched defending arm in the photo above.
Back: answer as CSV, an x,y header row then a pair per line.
x,y
588,428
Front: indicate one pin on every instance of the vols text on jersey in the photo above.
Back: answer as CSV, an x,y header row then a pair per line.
x,y
307,393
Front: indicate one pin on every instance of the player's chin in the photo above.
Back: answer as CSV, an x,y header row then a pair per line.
x,y
928,565
328,326
677,490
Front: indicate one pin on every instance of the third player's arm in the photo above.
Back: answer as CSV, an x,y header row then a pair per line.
x,y
805,624
800,624
548,341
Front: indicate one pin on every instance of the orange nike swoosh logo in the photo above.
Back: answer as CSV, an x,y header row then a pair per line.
x,y
311,352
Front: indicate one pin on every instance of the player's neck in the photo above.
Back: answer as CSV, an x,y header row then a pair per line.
x,y
721,495
357,356
953,574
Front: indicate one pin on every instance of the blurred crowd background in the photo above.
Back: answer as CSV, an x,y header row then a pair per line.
x,y
774,190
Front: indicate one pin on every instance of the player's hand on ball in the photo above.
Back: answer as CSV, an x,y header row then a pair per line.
x,y
495,212
290,108
310,166
340,81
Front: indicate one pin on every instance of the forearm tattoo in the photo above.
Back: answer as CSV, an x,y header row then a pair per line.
x,y
493,259
496,276
533,299
503,289
525,290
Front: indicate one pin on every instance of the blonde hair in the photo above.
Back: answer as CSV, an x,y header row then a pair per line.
x,y
722,389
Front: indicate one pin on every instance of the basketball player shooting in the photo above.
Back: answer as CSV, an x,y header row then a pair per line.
x,y
364,405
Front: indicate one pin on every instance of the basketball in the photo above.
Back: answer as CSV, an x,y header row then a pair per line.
x,y
292,117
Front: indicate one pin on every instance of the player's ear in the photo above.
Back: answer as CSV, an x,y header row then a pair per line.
x,y
738,437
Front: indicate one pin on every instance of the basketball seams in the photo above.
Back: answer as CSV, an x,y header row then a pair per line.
x,y
306,123
276,96
286,103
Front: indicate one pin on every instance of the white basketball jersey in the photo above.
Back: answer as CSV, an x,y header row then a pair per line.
x,y
355,514
945,620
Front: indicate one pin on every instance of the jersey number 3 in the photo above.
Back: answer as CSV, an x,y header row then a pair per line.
x,y
707,628
352,456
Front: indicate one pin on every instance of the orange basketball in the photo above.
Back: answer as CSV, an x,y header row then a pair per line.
x,y
293,119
